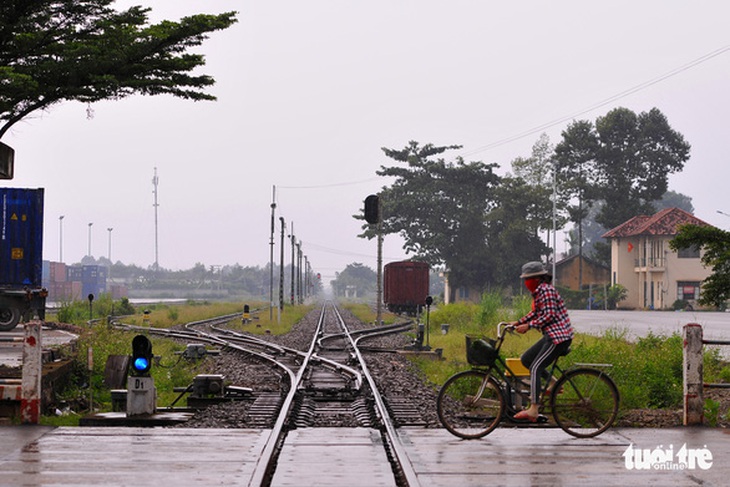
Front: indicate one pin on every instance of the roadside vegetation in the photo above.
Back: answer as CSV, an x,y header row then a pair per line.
x,y
647,370
100,340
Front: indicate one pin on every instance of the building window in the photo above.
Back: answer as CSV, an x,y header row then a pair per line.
x,y
687,290
691,252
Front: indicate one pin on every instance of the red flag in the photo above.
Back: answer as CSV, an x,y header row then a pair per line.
x,y
630,247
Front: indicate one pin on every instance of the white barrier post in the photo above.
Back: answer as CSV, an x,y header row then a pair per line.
x,y
693,381
30,401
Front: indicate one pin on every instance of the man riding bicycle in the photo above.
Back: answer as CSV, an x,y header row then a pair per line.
x,y
550,316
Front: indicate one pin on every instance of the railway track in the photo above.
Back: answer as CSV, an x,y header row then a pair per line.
x,y
323,383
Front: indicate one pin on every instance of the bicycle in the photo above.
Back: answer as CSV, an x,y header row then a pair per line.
x,y
583,400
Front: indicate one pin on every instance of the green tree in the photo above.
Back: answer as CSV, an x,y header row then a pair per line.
x,y
716,246
439,209
355,277
538,171
635,157
575,159
623,160
84,50
672,199
480,226
513,228
612,296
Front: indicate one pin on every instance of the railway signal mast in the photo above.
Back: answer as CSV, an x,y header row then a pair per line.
x,y
141,391
373,217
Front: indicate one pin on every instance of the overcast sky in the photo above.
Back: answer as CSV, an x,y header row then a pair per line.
x,y
310,91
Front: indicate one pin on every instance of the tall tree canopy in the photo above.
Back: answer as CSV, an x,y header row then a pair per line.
x,y
635,157
534,184
624,160
575,162
84,50
461,215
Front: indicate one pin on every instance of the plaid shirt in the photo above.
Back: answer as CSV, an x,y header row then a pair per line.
x,y
549,314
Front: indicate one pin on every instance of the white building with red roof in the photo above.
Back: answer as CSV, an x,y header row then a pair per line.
x,y
655,275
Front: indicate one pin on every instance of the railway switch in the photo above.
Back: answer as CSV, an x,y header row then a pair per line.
x,y
194,351
205,385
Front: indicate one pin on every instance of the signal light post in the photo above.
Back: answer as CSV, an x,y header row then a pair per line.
x,y
373,217
141,392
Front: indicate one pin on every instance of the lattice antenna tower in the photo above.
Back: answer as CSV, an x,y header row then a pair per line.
x,y
155,182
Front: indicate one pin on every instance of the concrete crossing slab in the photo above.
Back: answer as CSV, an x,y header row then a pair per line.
x,y
550,457
43,456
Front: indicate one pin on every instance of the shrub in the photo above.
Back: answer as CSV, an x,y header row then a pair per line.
x,y
490,305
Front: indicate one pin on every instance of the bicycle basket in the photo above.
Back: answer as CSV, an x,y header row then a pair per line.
x,y
480,351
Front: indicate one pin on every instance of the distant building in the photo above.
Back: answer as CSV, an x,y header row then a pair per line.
x,y
568,273
654,275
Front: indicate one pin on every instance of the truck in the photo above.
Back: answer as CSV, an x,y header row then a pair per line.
x,y
21,256
405,286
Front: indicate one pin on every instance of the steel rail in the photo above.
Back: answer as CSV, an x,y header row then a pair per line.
x,y
263,466
399,451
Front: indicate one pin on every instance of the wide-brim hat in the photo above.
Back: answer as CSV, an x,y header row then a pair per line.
x,y
533,269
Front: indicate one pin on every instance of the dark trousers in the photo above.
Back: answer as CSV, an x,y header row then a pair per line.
x,y
537,358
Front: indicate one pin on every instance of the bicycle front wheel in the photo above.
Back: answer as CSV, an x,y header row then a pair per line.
x,y
585,402
470,404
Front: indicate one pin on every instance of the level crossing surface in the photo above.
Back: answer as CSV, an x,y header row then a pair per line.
x,y
43,456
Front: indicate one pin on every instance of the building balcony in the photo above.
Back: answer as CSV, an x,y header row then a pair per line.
x,y
652,264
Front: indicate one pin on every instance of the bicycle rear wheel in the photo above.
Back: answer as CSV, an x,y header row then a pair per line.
x,y
470,404
585,402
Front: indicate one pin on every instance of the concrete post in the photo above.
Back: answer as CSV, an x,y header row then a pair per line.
x,y
693,380
30,402
141,396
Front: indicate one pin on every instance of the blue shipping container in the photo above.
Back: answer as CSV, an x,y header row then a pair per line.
x,y
21,237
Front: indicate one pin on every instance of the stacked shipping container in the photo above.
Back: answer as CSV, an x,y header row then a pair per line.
x,y
69,283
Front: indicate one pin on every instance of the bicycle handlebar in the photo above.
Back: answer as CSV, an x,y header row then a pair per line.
x,y
504,326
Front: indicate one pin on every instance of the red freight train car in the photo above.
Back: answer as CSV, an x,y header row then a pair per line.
x,y
405,286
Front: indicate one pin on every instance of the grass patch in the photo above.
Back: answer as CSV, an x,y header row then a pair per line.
x,y
368,314
647,370
170,369
274,323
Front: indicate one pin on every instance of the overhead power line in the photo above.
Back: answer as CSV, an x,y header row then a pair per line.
x,y
611,99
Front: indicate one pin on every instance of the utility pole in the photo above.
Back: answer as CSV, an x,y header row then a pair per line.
x,y
373,215
299,272
281,266
306,277
271,257
293,262
109,255
379,293
60,238
110,252
155,181
555,219
89,252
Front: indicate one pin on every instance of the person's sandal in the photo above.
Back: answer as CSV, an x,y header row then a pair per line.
x,y
550,388
525,416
